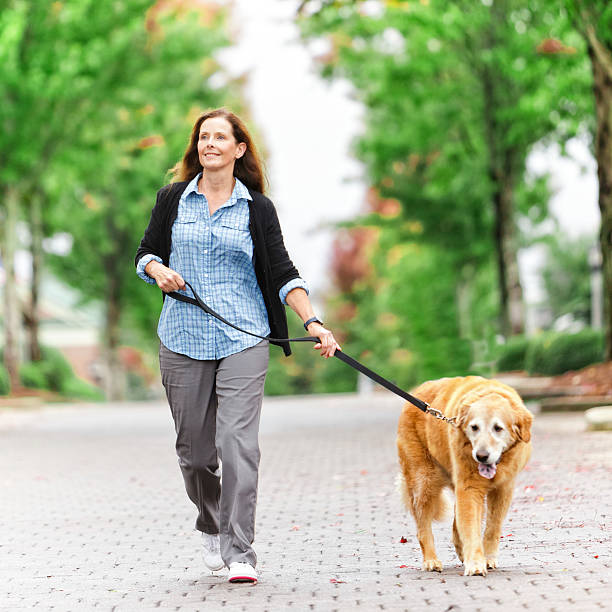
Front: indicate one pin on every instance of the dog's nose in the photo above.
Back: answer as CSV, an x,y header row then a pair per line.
x,y
482,457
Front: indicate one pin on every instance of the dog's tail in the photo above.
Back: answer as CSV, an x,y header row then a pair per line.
x,y
440,505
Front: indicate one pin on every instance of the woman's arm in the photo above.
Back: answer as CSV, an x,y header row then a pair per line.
x,y
151,246
299,302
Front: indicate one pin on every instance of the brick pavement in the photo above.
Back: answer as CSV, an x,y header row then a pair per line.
x,y
94,517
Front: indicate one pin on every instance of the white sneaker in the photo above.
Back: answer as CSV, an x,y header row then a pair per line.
x,y
242,572
212,551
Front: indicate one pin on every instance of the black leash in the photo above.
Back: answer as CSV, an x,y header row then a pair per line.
x,y
196,300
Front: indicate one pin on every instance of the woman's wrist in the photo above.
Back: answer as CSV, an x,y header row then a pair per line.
x,y
311,320
151,267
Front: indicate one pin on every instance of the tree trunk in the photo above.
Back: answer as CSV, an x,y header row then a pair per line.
x,y
501,173
12,319
602,85
33,320
114,383
512,319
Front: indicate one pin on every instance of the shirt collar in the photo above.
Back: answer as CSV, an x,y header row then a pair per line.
x,y
240,190
192,186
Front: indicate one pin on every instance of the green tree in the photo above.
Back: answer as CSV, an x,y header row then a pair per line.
x,y
128,143
87,90
456,94
593,18
58,61
566,277
395,291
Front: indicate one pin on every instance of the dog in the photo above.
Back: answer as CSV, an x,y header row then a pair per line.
x,y
479,458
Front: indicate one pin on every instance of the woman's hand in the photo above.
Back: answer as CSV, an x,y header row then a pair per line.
x,y
167,279
327,344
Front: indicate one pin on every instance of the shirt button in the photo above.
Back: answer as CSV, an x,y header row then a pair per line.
x,y
205,251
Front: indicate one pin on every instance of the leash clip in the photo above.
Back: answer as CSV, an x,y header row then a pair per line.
x,y
438,415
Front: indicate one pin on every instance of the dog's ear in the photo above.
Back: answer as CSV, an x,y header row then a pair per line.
x,y
522,427
462,417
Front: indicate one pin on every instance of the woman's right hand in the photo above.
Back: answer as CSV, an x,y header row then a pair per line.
x,y
167,279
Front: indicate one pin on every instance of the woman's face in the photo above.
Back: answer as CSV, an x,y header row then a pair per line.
x,y
217,147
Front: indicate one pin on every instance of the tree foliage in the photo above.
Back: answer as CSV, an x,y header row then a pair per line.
x,y
567,277
593,19
100,99
456,94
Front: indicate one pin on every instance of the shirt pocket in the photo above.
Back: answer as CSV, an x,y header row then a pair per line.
x,y
187,217
233,237
185,229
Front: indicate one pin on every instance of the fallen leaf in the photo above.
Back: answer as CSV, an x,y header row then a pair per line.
x,y
596,556
403,540
335,581
403,566
295,528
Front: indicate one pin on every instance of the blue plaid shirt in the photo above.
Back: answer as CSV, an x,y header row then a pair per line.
x,y
215,254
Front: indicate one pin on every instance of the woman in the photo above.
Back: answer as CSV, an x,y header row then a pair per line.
x,y
215,229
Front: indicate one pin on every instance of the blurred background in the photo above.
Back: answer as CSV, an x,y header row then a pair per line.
x,y
442,172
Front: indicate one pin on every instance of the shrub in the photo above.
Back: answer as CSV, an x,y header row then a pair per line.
x,y
33,375
332,376
57,369
52,372
512,354
5,384
554,353
79,389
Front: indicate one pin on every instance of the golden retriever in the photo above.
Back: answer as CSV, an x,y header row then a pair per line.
x,y
479,458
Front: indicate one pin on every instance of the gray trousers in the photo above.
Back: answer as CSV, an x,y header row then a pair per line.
x,y
216,406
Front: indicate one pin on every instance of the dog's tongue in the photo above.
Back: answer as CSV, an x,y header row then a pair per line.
x,y
487,471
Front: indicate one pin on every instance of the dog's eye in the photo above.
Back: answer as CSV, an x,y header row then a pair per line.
x,y
497,428
474,427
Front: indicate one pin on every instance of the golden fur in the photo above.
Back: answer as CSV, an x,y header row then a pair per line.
x,y
492,436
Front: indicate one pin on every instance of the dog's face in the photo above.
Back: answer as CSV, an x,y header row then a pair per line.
x,y
492,424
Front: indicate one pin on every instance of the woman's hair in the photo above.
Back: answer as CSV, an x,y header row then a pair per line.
x,y
247,168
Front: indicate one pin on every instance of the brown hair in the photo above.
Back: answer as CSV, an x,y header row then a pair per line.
x,y
247,168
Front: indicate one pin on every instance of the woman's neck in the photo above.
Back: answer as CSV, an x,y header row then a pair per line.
x,y
216,184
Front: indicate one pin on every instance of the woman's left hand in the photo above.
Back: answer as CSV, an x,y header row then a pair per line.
x,y
327,344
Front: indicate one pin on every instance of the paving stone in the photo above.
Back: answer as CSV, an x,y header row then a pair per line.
x,y
95,517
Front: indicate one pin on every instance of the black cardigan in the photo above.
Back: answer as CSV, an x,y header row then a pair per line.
x,y
273,268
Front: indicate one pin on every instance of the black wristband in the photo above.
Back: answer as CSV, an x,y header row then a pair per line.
x,y
312,320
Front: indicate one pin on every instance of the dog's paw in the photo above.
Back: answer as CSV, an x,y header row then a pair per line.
x,y
475,567
491,563
432,565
